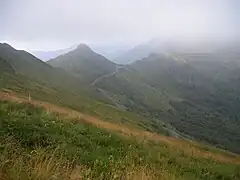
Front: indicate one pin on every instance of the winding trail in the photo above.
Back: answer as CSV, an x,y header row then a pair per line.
x,y
105,76
104,92
174,144
118,67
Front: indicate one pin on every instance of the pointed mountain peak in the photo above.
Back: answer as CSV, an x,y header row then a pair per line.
x,y
83,47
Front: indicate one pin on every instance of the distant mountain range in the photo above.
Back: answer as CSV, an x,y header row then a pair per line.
x,y
109,51
193,91
169,47
123,54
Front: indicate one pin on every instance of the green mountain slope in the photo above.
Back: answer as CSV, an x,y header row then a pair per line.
x,y
5,66
19,59
25,74
28,65
198,102
85,63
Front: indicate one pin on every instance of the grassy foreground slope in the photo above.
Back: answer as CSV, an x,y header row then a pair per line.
x,y
40,144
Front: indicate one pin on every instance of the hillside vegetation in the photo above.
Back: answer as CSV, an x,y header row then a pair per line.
x,y
198,98
37,144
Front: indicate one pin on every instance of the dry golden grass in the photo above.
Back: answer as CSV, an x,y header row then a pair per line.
x,y
140,173
41,164
37,166
173,144
146,173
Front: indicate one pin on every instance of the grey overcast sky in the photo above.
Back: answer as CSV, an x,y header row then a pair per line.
x,y
53,24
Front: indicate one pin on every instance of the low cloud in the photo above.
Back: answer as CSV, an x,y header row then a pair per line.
x,y
49,24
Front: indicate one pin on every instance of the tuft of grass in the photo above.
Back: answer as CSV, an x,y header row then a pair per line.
x,y
38,164
142,172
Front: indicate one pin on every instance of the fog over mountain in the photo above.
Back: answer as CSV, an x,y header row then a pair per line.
x,y
51,25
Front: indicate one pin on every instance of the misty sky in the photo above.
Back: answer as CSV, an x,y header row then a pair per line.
x,y
54,24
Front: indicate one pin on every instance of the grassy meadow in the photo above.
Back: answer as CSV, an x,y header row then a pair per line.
x,y
37,144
